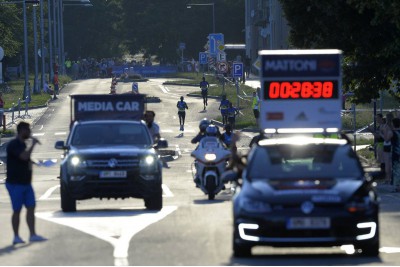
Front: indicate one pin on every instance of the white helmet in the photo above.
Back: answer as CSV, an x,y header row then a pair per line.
x,y
211,130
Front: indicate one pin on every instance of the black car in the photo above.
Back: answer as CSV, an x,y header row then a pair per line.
x,y
305,192
110,159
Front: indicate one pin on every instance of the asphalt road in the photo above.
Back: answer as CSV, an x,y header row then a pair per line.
x,y
189,230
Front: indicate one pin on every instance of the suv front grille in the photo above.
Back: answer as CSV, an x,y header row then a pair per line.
x,y
116,163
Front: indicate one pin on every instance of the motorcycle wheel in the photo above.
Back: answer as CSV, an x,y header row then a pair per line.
x,y
210,185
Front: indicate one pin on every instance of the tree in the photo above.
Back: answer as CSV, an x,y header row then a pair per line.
x,y
366,31
11,29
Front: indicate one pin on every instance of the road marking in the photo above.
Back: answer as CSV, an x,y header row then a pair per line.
x,y
162,87
60,133
38,134
390,250
48,193
116,227
166,191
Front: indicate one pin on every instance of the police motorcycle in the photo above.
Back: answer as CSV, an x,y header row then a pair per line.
x,y
211,158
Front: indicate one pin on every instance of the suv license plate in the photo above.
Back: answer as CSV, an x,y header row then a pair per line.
x,y
113,174
309,223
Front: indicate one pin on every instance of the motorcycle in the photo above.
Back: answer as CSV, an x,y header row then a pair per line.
x,y
211,158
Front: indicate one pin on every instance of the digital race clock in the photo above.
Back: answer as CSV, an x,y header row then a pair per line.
x,y
286,90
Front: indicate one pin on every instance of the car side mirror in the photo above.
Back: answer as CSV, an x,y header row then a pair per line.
x,y
375,173
162,143
60,145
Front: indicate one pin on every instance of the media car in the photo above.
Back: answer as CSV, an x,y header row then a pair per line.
x,y
109,152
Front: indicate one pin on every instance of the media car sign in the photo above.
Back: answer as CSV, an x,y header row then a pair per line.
x,y
300,90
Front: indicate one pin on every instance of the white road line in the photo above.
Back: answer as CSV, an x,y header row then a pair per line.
x,y
41,127
166,191
48,193
38,134
46,196
163,89
115,227
60,133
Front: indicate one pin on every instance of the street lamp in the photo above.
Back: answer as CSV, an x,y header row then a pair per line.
x,y
208,4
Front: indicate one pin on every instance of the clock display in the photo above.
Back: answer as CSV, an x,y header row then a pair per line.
x,y
300,90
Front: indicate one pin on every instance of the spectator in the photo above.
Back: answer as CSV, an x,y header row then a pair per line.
x,y
396,155
387,134
256,106
19,182
152,126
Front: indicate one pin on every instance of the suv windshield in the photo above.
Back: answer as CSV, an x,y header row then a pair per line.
x,y
304,161
111,134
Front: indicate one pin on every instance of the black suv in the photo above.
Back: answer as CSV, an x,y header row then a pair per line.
x,y
110,159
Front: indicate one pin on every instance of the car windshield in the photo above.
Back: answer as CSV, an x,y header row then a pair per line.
x,y
304,161
111,134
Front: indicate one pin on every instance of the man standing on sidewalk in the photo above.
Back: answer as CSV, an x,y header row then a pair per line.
x,y
19,182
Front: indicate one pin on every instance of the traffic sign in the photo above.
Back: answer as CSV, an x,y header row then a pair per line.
x,y
223,67
221,56
216,43
203,58
237,69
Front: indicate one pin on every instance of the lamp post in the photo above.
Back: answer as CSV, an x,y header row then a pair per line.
x,y
206,4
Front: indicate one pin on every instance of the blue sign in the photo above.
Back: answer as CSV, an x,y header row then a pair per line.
x,y
216,43
203,58
237,69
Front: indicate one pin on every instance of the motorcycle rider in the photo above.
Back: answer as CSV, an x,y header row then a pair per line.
x,y
202,127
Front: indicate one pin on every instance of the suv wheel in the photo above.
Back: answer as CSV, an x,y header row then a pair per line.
x,y
154,203
68,204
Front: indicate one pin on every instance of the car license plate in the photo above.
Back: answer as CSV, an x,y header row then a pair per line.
x,y
113,174
308,223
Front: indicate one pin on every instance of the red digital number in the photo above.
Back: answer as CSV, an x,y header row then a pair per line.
x,y
300,90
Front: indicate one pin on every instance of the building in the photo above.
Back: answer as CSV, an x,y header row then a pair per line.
x,y
266,28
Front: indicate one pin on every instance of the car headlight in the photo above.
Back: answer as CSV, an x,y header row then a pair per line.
x,y
256,206
77,162
210,156
148,163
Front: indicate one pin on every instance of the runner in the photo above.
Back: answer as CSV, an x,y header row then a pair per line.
x,y
204,85
182,106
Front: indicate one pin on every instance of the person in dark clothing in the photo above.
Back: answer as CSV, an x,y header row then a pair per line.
x,y
204,85
182,106
19,181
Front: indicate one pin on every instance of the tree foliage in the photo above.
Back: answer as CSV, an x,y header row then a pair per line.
x,y
112,28
10,40
367,31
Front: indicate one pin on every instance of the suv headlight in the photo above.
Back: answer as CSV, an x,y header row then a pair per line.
x,y
359,204
148,163
77,162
